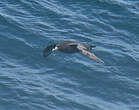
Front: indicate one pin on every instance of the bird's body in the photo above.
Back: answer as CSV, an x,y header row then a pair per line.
x,y
68,47
72,47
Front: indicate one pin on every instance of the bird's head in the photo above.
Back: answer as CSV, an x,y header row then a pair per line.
x,y
54,49
48,50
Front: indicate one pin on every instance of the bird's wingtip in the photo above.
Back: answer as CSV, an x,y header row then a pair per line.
x,y
102,62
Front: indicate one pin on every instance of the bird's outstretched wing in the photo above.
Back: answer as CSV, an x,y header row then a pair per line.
x,y
84,51
48,50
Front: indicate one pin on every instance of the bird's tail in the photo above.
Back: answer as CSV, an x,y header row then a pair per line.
x,y
48,50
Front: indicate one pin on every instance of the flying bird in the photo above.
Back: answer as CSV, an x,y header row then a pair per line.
x,y
72,47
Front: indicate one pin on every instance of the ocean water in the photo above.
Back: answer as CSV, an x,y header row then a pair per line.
x,y
28,81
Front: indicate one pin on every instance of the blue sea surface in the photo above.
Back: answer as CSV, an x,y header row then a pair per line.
x,y
28,81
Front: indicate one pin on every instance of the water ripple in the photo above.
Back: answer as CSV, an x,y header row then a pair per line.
x,y
69,81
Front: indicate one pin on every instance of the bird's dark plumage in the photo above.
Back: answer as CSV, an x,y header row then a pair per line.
x,y
72,47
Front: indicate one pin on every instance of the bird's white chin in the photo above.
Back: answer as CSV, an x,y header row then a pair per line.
x,y
54,49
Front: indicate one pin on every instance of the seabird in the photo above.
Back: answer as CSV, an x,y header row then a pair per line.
x,y
72,47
